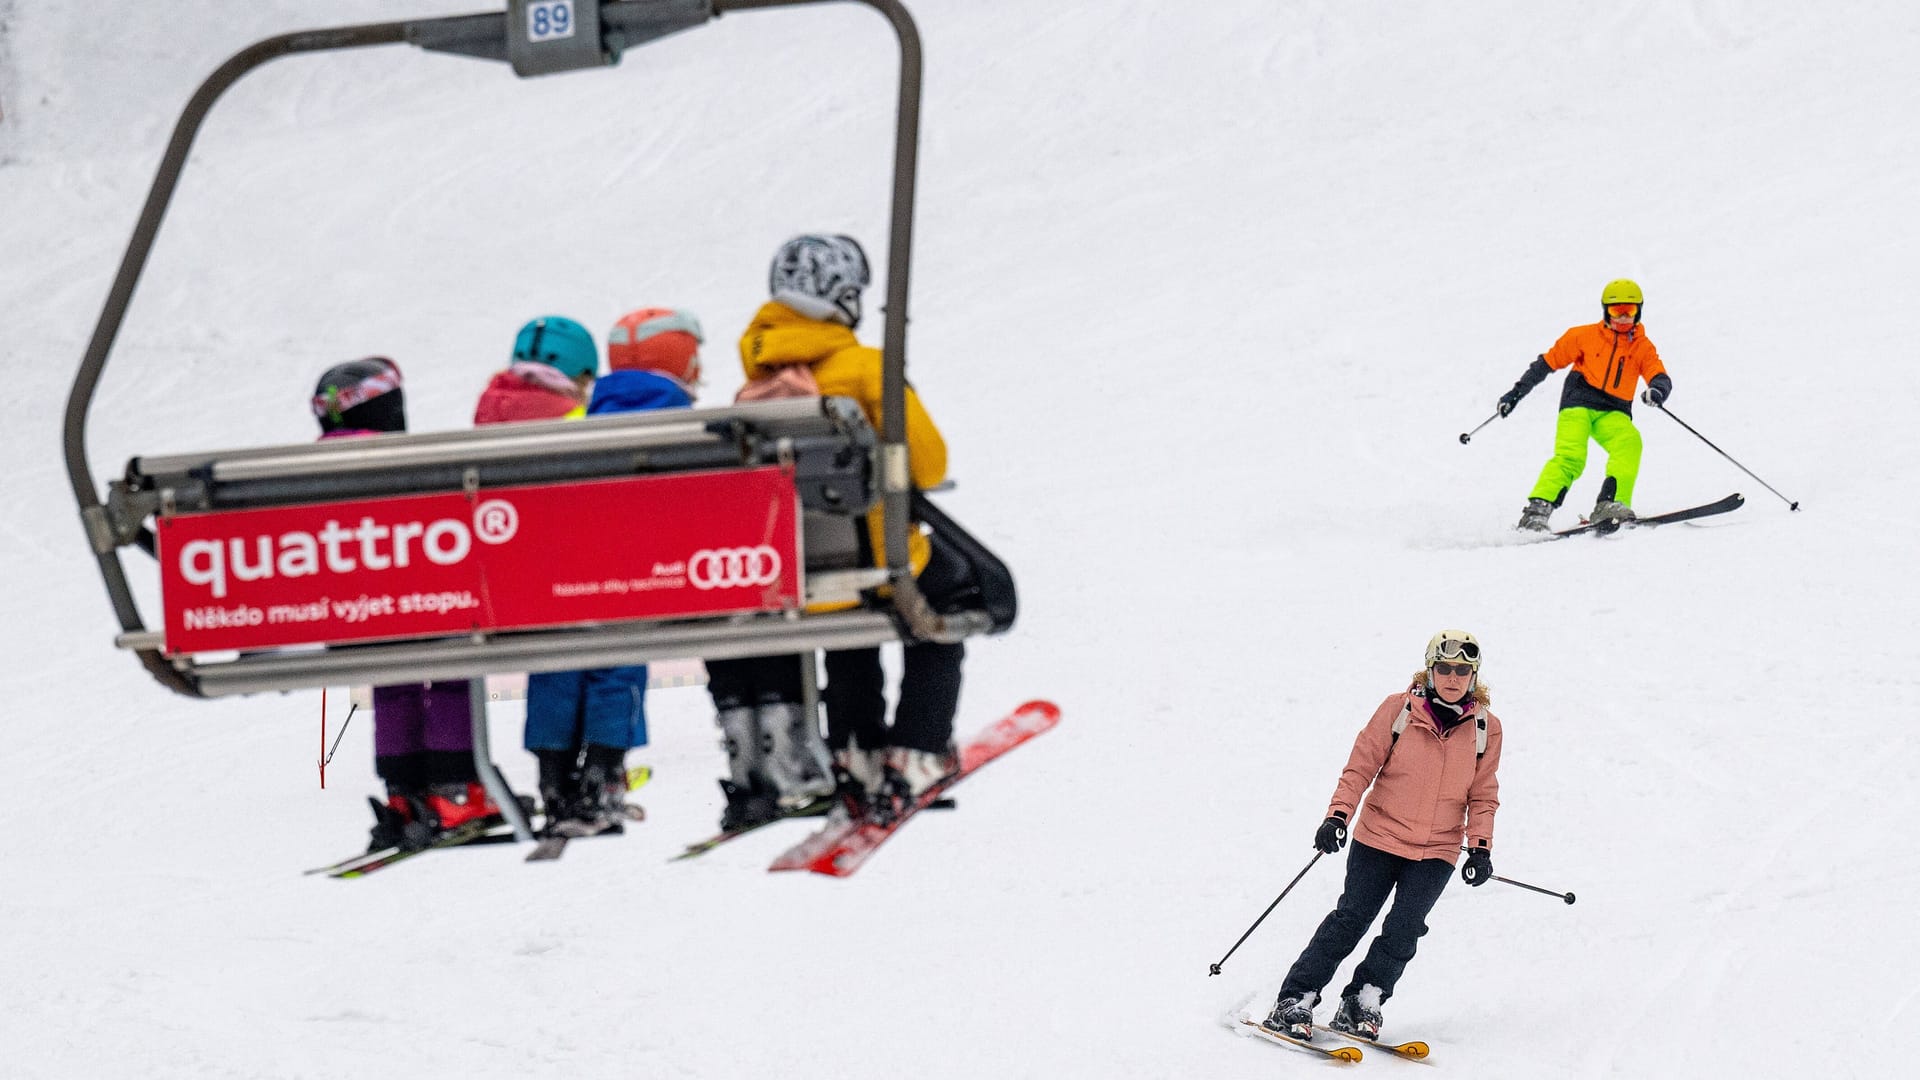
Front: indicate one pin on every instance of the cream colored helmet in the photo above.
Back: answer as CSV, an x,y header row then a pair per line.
x,y
1454,646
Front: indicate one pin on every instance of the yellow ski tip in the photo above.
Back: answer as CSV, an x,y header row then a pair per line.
x,y
1418,1051
1345,1053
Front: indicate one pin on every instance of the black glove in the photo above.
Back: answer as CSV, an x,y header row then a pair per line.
x,y
1657,390
1479,867
1332,835
1536,373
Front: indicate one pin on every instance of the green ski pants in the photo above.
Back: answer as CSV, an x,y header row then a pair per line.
x,y
1615,433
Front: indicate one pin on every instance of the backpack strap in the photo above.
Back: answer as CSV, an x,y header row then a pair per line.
x,y
1479,729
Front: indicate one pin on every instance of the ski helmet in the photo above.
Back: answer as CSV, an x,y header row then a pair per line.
x,y
1622,291
661,340
820,277
559,342
362,395
1456,645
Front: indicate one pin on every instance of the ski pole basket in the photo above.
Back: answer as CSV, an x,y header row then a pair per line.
x,y
707,533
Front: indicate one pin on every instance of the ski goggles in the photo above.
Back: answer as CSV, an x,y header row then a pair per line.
x,y
1623,310
1455,649
1452,669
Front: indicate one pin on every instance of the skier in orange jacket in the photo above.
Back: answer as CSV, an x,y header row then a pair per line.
x,y
1609,359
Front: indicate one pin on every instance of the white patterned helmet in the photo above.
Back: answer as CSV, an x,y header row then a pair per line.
x,y
820,277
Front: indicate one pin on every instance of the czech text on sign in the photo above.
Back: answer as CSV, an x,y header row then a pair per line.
x,y
503,559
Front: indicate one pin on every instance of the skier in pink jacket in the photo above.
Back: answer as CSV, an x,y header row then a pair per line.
x,y
1431,755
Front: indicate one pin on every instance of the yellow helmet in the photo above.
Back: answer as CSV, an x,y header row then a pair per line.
x,y
1622,291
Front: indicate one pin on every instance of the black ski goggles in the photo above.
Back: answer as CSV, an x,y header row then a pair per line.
x,y
1454,649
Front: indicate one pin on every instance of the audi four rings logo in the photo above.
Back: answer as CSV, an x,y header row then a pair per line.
x,y
733,568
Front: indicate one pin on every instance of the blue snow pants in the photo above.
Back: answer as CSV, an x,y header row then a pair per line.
x,y
599,706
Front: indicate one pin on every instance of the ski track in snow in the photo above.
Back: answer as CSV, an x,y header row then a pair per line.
x,y
1202,300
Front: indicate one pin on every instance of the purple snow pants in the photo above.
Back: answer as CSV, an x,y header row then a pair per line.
x,y
422,716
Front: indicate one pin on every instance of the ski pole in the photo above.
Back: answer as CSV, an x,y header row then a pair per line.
x,y
1791,505
1214,969
1567,896
1467,436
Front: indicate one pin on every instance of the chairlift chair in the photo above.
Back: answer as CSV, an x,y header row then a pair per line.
x,y
796,475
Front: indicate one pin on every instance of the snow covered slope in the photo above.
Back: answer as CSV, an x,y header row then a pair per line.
x,y
1204,295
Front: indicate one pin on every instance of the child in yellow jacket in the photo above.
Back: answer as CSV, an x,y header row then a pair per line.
x,y
816,282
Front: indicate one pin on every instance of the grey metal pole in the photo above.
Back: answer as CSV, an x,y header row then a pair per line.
x,y
489,774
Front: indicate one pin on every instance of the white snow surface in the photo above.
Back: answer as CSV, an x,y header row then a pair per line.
x,y
1203,295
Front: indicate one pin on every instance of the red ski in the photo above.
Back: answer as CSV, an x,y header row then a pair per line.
x,y
843,846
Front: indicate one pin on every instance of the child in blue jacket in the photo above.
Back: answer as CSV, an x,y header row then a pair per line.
x,y
580,724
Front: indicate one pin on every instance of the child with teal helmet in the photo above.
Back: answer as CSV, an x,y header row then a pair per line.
x,y
560,342
555,362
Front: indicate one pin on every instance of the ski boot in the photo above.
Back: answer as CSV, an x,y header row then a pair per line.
x,y
912,772
796,763
1359,1014
400,822
747,807
559,786
1534,517
454,804
1292,1015
600,803
1610,511
751,801
861,788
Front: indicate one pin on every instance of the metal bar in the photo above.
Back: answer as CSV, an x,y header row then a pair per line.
x,y
484,767
147,229
810,687
363,456
559,650
120,294
895,482
635,429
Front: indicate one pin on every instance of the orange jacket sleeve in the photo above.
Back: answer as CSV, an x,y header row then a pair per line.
x,y
1565,352
1370,750
1650,364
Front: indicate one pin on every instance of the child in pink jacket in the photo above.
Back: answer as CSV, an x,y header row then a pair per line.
x,y
1431,756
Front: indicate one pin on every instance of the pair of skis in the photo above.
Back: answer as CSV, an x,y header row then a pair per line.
x,y
844,846
845,843
1412,1051
836,850
1604,528
472,834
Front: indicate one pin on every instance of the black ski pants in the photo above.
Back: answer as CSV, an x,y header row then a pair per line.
x,y
1371,875
756,680
855,694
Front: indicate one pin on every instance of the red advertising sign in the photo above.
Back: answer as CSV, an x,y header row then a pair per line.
x,y
500,559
